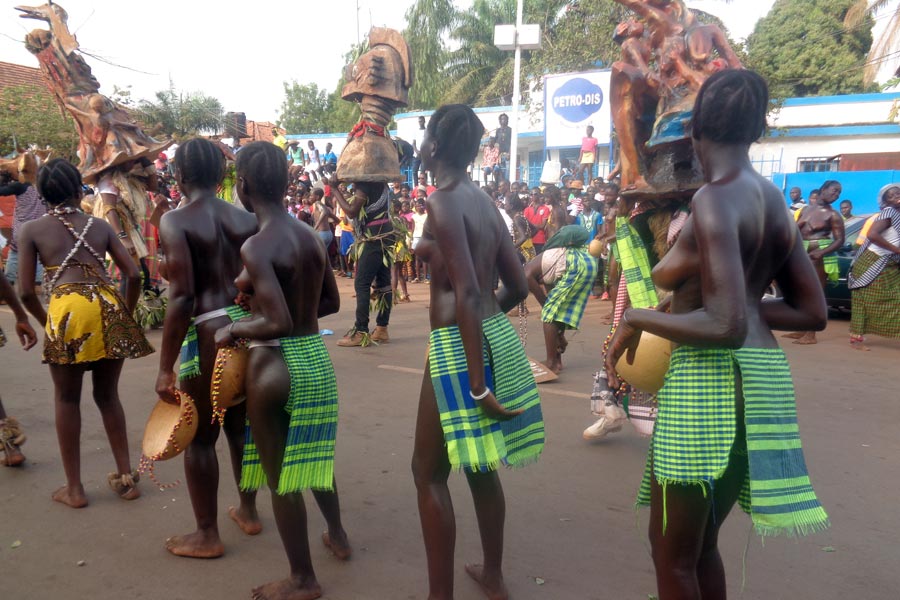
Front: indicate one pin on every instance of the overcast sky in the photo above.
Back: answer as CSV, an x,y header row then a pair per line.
x,y
240,52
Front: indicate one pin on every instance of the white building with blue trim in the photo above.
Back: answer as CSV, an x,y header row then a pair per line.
x,y
810,141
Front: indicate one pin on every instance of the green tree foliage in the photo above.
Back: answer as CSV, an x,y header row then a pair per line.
x,y
179,114
802,48
579,37
304,109
427,25
30,116
886,43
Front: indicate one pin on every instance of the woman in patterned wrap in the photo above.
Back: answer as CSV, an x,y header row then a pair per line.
x,y
726,430
291,387
479,406
89,327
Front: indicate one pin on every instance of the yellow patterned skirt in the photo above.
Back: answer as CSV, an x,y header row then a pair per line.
x,y
87,322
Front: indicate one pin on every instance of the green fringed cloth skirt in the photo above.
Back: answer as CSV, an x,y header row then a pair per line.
x,y
567,300
830,261
313,408
189,360
475,442
696,427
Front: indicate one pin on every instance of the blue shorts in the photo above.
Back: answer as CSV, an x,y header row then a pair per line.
x,y
347,240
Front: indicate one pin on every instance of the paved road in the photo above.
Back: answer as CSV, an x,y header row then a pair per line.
x,y
571,533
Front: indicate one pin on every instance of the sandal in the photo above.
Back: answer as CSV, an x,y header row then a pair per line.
x,y
11,437
125,484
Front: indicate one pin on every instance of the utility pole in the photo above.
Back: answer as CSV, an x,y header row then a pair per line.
x,y
517,37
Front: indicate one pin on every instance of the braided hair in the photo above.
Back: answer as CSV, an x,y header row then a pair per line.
x,y
58,181
458,133
731,107
263,164
200,163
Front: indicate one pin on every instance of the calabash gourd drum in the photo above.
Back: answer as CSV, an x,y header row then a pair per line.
x,y
170,428
651,362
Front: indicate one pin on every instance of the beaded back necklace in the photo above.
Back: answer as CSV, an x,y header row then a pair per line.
x,y
80,242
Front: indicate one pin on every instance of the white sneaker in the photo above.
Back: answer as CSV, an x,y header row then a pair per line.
x,y
602,427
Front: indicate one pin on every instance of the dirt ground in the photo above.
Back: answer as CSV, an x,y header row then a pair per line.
x,y
571,532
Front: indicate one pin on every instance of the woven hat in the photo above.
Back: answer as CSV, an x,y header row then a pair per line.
x,y
170,428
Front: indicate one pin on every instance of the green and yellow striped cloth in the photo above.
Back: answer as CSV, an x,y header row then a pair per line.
x,y
696,428
189,360
475,442
308,461
876,307
567,300
634,265
832,271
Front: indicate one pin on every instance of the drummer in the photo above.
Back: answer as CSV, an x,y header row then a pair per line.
x,y
291,387
201,299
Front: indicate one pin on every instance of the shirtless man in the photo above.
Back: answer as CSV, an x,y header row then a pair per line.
x,y
201,300
817,222
291,386
323,216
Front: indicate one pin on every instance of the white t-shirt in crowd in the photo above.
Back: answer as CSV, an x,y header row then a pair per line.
x,y
419,224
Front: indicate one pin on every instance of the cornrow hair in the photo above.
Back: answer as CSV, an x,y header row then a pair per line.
x,y
263,164
731,107
200,163
828,184
458,132
58,181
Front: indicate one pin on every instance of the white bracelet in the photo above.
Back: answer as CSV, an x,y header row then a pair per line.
x,y
482,395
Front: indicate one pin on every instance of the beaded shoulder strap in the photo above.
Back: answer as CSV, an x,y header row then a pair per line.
x,y
80,242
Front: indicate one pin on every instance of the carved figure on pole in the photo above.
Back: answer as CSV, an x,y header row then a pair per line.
x,y
108,135
379,81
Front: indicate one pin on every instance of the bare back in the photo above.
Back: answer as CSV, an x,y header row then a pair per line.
x,y
202,241
53,242
752,207
292,253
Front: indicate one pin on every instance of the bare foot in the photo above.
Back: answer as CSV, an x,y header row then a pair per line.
x,y
807,339
292,588
71,497
492,585
249,523
338,544
794,336
196,545
13,457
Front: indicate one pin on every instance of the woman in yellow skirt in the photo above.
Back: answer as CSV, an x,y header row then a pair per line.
x,y
89,327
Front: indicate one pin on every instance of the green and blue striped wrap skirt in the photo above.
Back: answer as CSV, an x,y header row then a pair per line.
x,y
697,424
313,408
189,360
475,442
567,300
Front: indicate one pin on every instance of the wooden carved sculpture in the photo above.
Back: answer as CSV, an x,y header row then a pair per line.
x,y
666,57
108,136
379,81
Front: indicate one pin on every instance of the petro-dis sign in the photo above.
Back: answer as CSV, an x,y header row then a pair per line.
x,y
571,103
